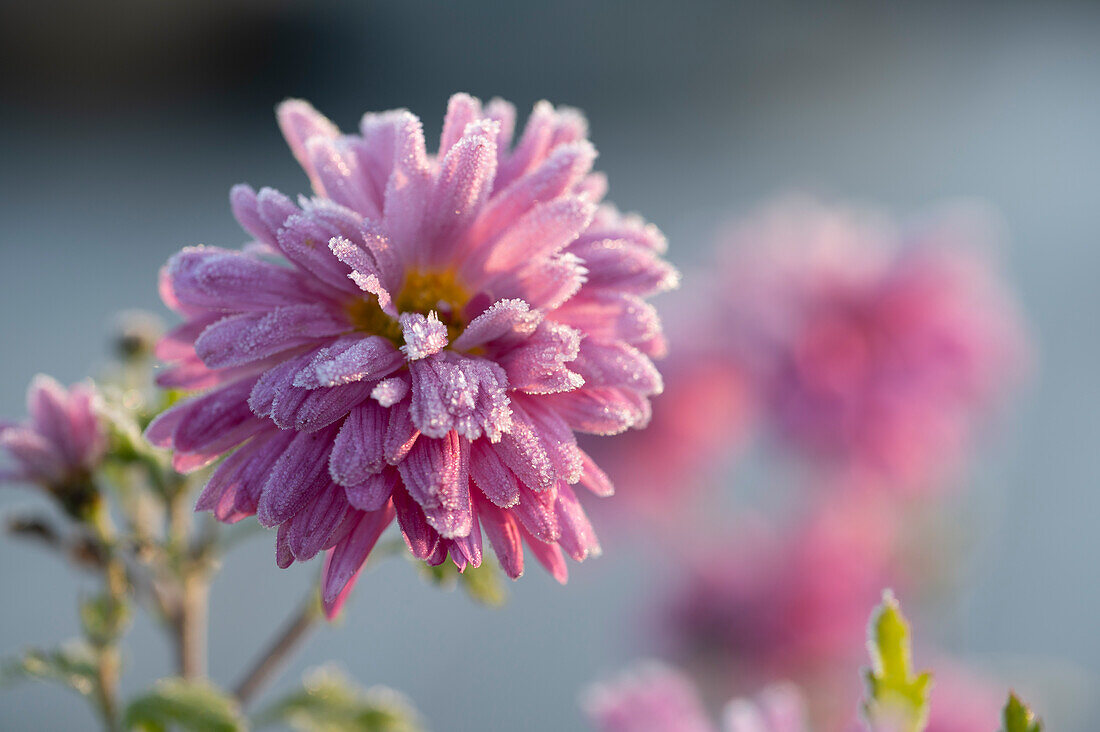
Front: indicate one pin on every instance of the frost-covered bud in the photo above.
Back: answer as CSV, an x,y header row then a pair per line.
x,y
60,445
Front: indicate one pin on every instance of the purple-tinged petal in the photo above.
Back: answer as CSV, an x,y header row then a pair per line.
x,y
524,454
617,364
401,434
424,336
504,536
540,233
462,393
535,512
218,279
532,147
555,435
306,240
622,266
610,316
542,283
310,529
409,185
38,459
261,215
504,114
595,479
423,541
468,547
348,360
505,319
337,174
343,565
388,392
277,382
538,365
242,476
436,474
213,423
462,110
492,476
548,555
375,490
365,271
609,223
601,410
461,188
300,122
297,477
322,407
239,339
358,450
554,178
578,538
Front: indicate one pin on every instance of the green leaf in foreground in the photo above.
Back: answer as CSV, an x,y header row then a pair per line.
x,y
483,584
1018,718
72,665
330,702
897,698
176,704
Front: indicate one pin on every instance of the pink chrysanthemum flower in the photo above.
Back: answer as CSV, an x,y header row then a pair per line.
x,y
873,350
657,698
61,445
421,339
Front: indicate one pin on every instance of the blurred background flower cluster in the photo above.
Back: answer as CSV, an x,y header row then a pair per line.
x,y
880,372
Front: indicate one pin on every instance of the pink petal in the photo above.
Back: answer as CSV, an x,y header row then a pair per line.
x,y
358,450
241,339
348,557
296,478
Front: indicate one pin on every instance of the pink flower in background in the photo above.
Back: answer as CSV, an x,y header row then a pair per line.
x,y
963,700
61,445
872,350
422,339
656,698
789,603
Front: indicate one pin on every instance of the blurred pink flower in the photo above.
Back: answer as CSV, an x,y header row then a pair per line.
x,y
963,700
657,698
432,332
872,350
61,445
787,603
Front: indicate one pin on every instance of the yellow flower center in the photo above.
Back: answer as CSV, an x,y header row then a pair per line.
x,y
423,292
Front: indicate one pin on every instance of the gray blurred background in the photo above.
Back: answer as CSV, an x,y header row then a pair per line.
x,y
123,125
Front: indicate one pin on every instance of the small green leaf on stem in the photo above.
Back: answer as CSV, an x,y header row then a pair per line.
x,y
330,702
73,665
482,584
897,698
1019,718
103,618
177,704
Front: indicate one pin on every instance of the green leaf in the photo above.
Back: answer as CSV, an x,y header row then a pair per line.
x,y
103,618
330,702
73,665
897,698
176,704
1018,718
483,584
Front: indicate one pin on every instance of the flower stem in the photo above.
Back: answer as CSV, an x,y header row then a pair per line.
x,y
191,610
108,659
279,650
